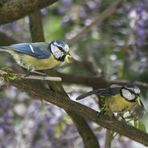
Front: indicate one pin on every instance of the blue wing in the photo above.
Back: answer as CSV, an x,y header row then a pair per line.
x,y
106,92
111,91
39,50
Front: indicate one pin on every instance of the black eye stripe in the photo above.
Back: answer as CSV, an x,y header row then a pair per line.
x,y
60,48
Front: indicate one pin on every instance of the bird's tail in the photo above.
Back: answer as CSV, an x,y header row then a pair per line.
x,y
97,91
4,48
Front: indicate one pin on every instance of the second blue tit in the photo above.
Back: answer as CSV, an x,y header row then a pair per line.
x,y
40,55
119,99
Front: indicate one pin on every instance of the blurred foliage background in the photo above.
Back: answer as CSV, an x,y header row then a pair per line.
x,y
118,48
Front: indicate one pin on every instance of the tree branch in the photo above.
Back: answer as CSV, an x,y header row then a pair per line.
x,y
36,26
89,139
97,82
36,89
98,20
86,133
12,10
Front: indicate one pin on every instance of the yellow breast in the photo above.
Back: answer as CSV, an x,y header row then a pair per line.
x,y
41,64
30,62
119,104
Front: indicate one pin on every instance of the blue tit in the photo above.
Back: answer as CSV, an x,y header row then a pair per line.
x,y
39,55
119,99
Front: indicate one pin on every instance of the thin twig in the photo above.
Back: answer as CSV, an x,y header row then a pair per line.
x,y
99,82
98,20
123,82
30,77
44,78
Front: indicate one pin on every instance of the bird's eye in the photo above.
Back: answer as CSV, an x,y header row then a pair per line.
x,y
127,94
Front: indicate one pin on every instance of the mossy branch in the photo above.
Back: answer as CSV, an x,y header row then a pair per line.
x,y
11,10
37,90
89,139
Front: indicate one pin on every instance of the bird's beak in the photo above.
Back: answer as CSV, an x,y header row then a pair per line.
x,y
68,58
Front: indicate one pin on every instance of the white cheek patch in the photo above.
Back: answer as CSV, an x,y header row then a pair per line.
x,y
127,94
137,90
66,48
56,51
